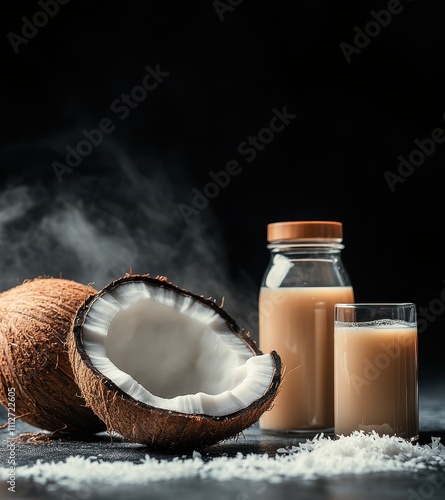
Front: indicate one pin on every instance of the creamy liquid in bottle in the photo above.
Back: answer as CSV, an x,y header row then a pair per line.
x,y
376,380
298,322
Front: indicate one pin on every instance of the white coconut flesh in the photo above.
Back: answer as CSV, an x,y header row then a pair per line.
x,y
172,352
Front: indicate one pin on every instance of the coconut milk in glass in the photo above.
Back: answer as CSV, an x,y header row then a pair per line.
x,y
376,373
304,279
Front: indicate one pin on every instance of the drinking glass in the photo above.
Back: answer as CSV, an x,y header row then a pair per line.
x,y
376,369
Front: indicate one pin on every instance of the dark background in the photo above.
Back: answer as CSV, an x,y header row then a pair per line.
x,y
119,208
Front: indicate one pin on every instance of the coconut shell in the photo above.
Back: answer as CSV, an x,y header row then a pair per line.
x,y
161,430
35,319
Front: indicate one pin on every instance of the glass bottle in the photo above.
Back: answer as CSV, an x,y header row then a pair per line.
x,y
304,279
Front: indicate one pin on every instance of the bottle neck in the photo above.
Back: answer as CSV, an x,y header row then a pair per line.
x,y
296,247
305,263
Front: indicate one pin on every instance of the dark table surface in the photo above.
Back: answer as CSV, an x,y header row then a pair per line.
x,y
428,484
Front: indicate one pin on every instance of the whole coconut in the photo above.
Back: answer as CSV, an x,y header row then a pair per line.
x,y
35,320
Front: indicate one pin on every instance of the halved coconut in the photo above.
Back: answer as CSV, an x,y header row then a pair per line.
x,y
167,368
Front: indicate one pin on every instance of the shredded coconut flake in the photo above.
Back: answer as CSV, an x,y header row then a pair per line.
x,y
356,454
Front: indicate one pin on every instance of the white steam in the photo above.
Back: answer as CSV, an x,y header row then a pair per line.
x,y
94,226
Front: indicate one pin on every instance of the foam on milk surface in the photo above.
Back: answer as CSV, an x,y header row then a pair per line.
x,y
379,324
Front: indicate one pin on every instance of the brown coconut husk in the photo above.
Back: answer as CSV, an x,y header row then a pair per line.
x,y
35,321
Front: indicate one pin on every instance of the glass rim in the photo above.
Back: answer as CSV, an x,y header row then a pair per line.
x,y
358,305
